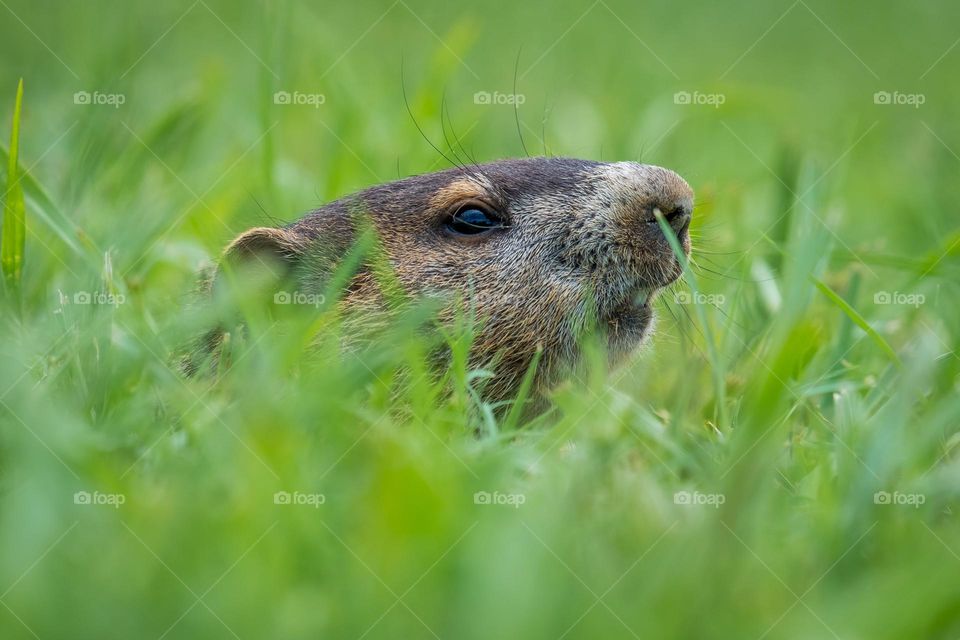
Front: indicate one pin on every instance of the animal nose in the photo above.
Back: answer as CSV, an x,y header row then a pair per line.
x,y
642,192
677,213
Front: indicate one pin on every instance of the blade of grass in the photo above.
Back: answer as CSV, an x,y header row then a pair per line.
x,y
519,403
856,318
14,209
42,207
716,367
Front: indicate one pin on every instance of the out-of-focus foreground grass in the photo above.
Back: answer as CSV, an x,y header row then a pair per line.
x,y
782,463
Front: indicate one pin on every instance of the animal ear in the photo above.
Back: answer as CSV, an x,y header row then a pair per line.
x,y
251,272
272,247
261,258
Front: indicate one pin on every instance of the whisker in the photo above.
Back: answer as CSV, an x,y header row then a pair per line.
x,y
516,105
406,102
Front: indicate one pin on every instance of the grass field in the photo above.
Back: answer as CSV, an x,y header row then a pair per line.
x,y
782,462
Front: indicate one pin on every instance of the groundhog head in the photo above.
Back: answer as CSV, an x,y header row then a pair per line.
x,y
543,248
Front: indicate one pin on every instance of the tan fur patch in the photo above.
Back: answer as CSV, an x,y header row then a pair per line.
x,y
459,190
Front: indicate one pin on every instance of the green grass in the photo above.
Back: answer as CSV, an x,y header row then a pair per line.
x,y
785,407
14,224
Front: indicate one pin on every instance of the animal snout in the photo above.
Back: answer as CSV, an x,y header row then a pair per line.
x,y
642,192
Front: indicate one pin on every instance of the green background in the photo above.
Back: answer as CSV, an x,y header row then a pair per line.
x,y
781,402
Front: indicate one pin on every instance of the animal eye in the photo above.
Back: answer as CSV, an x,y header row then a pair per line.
x,y
471,220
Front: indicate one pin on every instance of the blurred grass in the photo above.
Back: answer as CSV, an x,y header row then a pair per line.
x,y
825,229
12,231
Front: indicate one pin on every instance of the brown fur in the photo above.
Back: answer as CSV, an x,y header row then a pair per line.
x,y
581,242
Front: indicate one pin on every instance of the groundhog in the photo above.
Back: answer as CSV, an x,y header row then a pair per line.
x,y
542,246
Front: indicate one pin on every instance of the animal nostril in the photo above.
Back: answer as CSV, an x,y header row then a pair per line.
x,y
673,213
676,212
